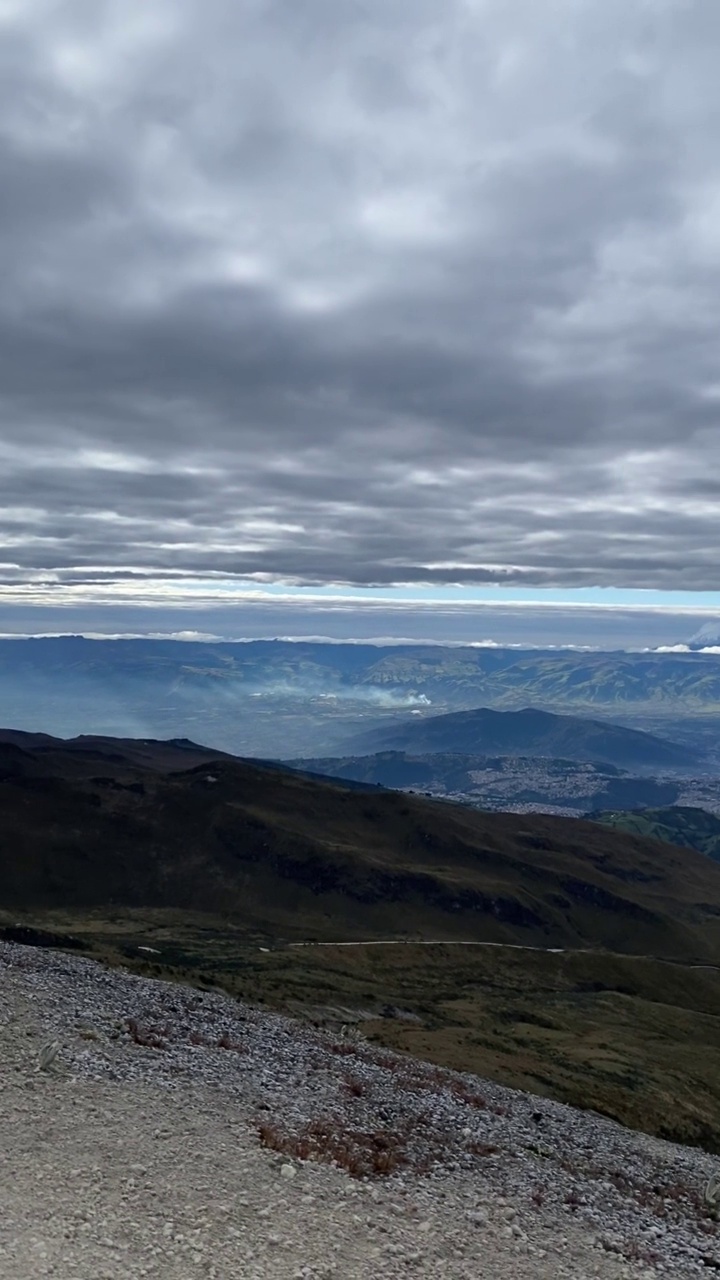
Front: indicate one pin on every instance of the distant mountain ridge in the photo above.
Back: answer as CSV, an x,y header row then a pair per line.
x,y
529,732
38,674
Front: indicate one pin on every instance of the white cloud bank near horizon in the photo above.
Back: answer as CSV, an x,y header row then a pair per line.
x,y
381,621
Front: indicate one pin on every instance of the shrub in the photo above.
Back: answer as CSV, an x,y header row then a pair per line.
x,y
361,1153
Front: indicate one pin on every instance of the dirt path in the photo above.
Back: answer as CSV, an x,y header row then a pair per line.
x,y
103,1182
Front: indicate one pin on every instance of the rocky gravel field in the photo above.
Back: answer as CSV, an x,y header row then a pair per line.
x,y
150,1129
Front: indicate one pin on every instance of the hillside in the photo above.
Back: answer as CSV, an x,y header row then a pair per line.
x,y
290,857
500,782
529,733
267,1143
210,874
82,756
679,825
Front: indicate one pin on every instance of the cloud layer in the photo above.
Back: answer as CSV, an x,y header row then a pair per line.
x,y
397,292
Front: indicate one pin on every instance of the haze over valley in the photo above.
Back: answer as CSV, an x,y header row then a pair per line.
x,y
291,698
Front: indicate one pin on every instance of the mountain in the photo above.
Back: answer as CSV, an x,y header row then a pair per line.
x,y
272,698
680,825
501,782
707,637
529,733
90,829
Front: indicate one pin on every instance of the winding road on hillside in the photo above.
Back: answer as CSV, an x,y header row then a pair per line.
x,y
430,942
509,946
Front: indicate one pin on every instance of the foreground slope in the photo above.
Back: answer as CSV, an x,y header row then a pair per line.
x,y
298,858
245,1145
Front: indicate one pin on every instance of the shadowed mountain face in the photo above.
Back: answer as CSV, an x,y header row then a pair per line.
x,y
92,824
81,756
529,733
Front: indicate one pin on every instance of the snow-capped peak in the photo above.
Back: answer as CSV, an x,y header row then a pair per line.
x,y
707,637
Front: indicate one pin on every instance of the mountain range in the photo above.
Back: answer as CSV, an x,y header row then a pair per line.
x,y
272,698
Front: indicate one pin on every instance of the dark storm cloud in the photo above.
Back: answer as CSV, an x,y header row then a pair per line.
x,y
392,292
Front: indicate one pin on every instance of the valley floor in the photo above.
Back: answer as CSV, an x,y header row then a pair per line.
x,y
180,1134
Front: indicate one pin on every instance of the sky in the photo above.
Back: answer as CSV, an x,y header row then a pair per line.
x,y
407,304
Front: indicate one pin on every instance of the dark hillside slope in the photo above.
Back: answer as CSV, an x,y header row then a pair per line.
x,y
85,753
299,858
528,733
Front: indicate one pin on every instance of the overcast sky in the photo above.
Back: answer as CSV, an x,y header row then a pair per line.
x,y
358,292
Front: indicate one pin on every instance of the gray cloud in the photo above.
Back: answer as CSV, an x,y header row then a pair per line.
x,y
358,294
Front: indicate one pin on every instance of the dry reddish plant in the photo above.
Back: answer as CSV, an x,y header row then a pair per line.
x,y
151,1037
361,1153
635,1252
655,1198
413,1078
482,1149
225,1042
356,1088
620,1180
463,1094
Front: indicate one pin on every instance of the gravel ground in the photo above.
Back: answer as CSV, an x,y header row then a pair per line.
x,y
178,1134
